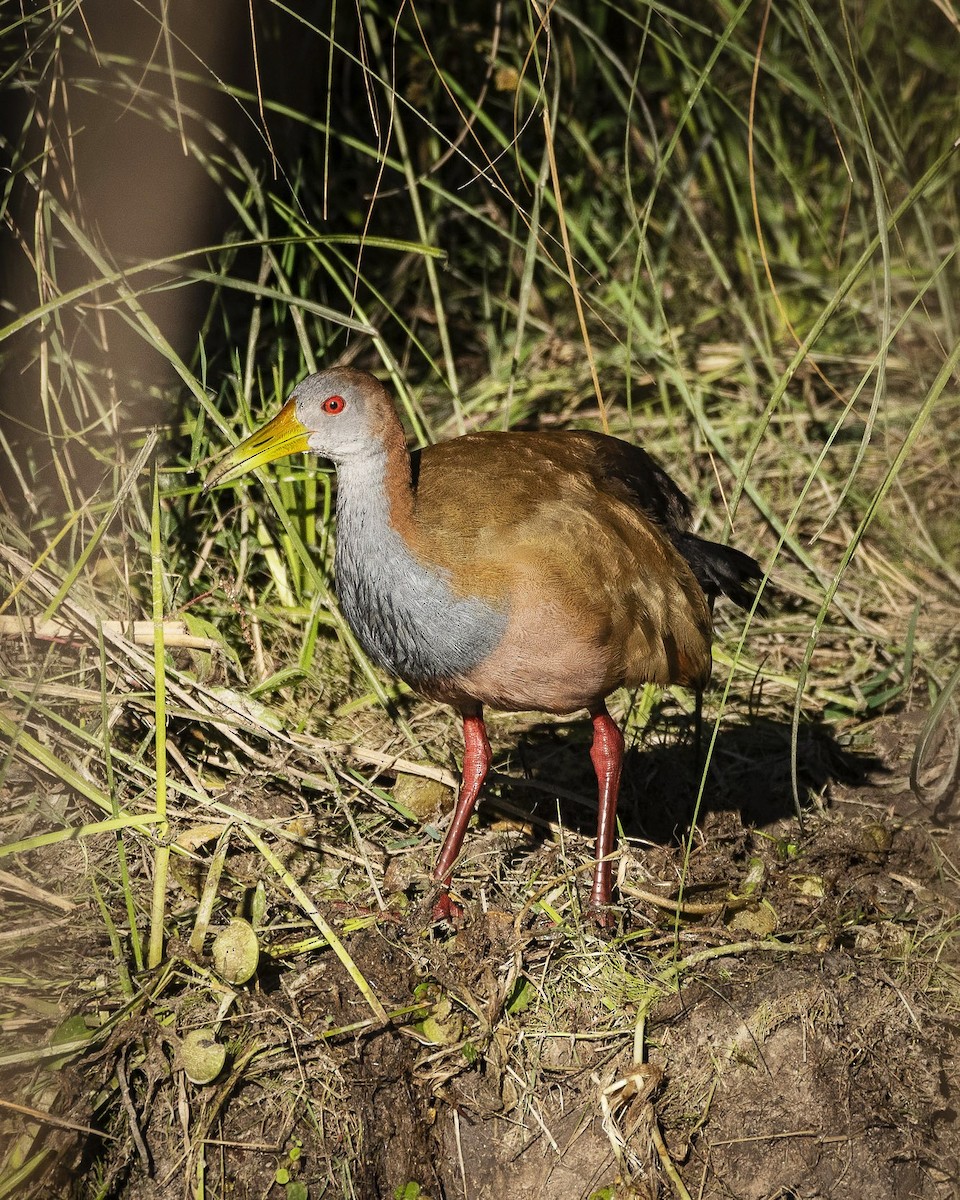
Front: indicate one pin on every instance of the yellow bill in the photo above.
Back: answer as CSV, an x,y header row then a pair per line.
x,y
282,436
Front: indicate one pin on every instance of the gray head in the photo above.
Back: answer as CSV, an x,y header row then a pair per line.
x,y
339,414
344,413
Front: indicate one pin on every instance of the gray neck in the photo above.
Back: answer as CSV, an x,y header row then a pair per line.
x,y
404,612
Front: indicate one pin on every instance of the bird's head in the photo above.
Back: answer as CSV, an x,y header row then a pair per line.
x,y
336,414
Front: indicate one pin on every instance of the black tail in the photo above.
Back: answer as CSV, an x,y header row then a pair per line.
x,y
721,570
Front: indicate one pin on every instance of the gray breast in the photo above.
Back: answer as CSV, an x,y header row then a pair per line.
x,y
405,614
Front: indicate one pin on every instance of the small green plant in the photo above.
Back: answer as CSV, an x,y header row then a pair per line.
x,y
293,1188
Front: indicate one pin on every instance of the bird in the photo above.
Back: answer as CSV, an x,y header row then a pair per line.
x,y
512,570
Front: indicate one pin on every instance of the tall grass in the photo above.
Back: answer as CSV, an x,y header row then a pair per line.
x,y
727,231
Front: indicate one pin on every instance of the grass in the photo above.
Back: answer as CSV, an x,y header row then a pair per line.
x,y
726,231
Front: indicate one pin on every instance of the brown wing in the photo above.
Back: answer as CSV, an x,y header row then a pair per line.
x,y
569,532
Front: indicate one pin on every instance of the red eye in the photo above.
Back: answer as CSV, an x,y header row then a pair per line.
x,y
334,405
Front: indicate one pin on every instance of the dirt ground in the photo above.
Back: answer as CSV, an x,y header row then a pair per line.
x,y
788,1031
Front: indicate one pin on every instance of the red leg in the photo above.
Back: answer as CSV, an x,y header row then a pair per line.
x,y
476,764
606,753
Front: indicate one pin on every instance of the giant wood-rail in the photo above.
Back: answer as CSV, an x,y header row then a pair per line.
x,y
520,570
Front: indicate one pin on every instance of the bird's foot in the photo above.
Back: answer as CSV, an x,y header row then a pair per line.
x,y
601,914
446,909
